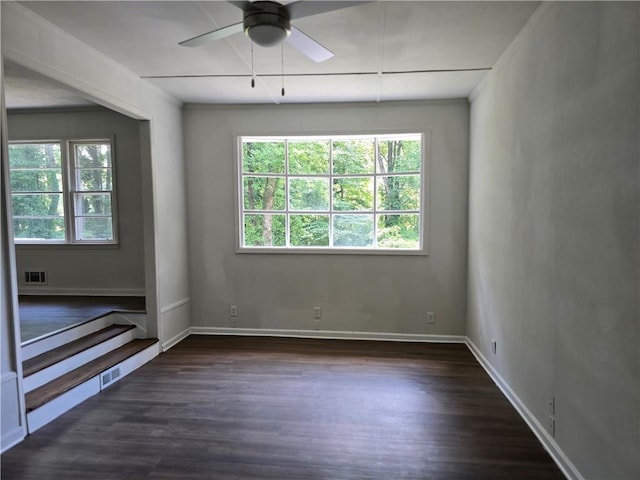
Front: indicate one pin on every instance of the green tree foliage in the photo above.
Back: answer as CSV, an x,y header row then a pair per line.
x,y
367,176
36,191
94,173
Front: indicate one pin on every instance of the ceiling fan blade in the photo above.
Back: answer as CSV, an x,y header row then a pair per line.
x,y
212,35
302,9
308,46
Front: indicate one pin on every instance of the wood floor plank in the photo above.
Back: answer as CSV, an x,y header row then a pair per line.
x,y
234,408
60,385
63,352
41,315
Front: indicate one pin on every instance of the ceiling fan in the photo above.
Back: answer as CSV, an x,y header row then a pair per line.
x,y
268,23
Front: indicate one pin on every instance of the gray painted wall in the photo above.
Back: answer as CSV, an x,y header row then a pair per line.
x,y
86,269
553,232
355,292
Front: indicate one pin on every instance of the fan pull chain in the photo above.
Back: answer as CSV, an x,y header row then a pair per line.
x,y
282,91
253,75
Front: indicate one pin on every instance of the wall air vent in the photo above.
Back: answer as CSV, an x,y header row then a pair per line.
x,y
108,377
32,278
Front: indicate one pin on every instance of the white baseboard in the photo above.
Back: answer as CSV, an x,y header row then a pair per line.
x,y
566,466
177,338
89,292
12,438
39,417
328,334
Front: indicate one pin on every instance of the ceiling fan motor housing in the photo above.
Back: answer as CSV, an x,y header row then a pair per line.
x,y
267,23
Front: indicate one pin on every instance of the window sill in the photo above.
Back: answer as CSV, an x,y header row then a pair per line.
x,y
332,251
67,246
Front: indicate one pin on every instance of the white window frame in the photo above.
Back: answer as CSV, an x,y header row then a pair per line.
x,y
67,154
330,250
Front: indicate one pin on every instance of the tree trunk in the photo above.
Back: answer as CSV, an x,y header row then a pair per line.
x,y
270,187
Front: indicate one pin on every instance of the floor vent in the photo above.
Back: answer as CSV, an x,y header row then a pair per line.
x,y
35,278
108,377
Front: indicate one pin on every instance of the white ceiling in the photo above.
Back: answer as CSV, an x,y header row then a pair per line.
x,y
384,50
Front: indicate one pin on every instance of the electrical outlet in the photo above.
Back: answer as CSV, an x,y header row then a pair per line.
x,y
234,322
494,346
233,311
431,317
316,324
317,313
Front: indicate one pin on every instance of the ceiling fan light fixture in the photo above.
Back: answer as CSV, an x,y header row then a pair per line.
x,y
268,25
268,35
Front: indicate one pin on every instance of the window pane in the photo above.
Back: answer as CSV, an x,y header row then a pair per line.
x,y
353,193
37,205
94,179
400,192
357,191
309,230
264,230
353,230
36,180
263,157
263,193
94,228
353,156
35,155
308,157
90,204
93,155
397,155
399,231
309,193
51,228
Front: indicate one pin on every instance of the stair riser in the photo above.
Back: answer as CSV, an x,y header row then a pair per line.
x,y
54,341
50,411
48,374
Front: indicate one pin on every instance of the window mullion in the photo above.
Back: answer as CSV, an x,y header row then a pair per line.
x,y
331,193
375,192
68,176
287,217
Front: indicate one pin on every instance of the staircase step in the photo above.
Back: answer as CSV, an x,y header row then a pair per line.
x,y
60,385
46,359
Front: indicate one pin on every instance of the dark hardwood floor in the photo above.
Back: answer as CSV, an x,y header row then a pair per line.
x,y
270,408
44,314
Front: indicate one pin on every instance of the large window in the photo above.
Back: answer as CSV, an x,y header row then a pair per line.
x,y
338,193
62,192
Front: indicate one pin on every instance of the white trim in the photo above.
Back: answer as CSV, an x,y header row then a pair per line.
x,y
8,271
176,339
129,365
514,46
12,438
35,347
50,411
376,136
65,402
566,466
93,292
129,318
91,91
7,377
66,365
174,305
329,334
